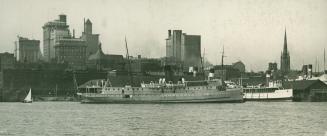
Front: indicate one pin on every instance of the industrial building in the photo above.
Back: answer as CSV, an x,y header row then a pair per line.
x,y
307,90
147,66
183,49
100,61
239,65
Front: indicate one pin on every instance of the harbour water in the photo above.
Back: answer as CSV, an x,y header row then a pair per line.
x,y
239,119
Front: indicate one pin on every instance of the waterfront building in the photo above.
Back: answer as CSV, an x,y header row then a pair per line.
x,y
71,51
7,61
226,72
285,66
28,51
173,44
183,48
273,73
272,66
100,61
307,90
92,40
149,66
239,65
307,71
52,32
191,51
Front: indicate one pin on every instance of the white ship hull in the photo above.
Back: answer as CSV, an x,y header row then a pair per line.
x,y
261,95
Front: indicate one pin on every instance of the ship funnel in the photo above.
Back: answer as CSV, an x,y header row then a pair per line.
x,y
310,71
211,74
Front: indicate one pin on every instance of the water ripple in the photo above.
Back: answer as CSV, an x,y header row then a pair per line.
x,y
250,118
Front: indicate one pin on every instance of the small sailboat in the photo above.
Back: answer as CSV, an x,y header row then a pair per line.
x,y
28,98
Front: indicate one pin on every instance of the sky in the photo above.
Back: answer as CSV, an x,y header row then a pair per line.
x,y
251,31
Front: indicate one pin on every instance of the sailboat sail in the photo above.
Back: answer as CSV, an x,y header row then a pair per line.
x,y
28,98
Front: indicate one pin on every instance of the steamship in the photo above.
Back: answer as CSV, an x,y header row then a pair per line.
x,y
211,90
273,91
161,92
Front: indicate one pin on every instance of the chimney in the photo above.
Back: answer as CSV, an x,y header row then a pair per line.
x,y
268,75
310,70
169,33
211,74
73,33
62,18
84,25
305,70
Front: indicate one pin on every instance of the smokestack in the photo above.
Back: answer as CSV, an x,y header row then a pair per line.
x,y
84,25
268,75
73,33
305,70
169,33
62,18
211,74
310,70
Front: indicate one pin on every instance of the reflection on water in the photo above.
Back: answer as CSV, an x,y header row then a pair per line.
x,y
250,118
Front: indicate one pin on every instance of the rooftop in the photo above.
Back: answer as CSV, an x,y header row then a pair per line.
x,y
302,84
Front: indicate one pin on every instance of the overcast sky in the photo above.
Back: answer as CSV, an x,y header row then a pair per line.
x,y
251,30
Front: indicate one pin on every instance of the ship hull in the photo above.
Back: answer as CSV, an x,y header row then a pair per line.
x,y
124,101
204,96
277,95
269,99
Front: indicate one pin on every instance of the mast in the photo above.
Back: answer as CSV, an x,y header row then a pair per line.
x,y
222,63
222,57
202,61
15,51
318,65
324,60
129,63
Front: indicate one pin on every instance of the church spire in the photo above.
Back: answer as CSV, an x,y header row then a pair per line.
x,y
285,42
285,66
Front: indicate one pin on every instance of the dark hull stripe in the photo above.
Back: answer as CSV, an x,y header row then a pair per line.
x,y
268,99
207,100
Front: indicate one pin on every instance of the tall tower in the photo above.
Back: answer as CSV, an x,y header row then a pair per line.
x,y
174,44
92,40
285,58
52,32
88,27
